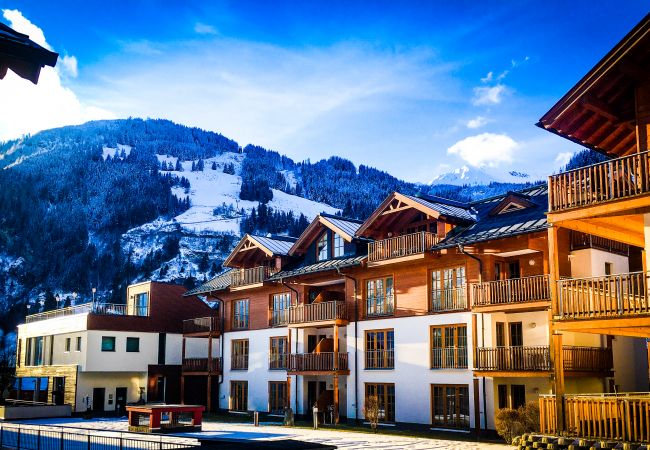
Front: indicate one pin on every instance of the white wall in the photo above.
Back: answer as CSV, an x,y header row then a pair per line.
x,y
86,381
120,359
590,262
56,325
630,377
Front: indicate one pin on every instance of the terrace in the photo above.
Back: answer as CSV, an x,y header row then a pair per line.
x,y
321,313
404,247
111,309
318,363
253,277
515,293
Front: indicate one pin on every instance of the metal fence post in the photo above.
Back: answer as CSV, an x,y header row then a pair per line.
x,y
18,439
88,441
62,443
38,439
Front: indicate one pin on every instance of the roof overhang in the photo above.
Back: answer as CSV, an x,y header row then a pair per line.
x,y
246,248
22,55
313,231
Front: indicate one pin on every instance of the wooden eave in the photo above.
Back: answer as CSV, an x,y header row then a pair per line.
x,y
313,231
513,198
248,245
23,56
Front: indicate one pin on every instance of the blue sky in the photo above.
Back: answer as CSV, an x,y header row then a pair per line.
x,y
414,88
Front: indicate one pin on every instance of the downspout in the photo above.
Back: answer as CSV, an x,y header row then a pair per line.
x,y
296,340
356,361
222,313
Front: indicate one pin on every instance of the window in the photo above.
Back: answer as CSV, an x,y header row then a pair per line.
x,y
239,357
162,347
277,396
239,395
35,351
385,393
608,268
240,310
108,343
141,304
448,289
380,349
280,309
449,347
518,394
339,245
502,391
278,352
501,334
67,344
322,248
379,297
450,405
78,347
132,344
516,334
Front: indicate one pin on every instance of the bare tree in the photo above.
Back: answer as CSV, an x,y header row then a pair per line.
x,y
372,411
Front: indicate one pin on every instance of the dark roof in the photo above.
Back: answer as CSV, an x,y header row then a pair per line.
x,y
497,226
321,266
350,226
279,245
22,55
218,283
445,207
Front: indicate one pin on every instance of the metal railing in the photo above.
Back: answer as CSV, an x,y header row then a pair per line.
x,y
239,362
279,317
453,299
317,362
317,312
516,290
377,307
616,179
380,359
400,246
90,308
203,325
255,275
212,365
583,240
278,361
240,321
449,358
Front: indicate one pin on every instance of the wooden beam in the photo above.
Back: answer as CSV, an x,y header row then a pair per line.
x,y
557,356
614,233
553,266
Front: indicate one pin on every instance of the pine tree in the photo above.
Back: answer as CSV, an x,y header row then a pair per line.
x,y
193,167
179,166
200,165
214,165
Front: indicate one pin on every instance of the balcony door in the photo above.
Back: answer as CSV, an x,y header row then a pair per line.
x,y
516,345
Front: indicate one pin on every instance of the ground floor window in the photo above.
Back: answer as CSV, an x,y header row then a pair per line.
x,y
277,396
385,393
450,405
518,394
239,395
503,395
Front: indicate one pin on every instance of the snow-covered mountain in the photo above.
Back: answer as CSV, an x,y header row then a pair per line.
x,y
471,176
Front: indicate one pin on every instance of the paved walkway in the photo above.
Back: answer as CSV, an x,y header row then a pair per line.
x,y
341,439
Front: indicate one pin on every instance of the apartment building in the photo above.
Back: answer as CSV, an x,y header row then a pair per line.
x,y
100,357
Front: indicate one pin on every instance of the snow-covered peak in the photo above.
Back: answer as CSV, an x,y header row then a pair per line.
x,y
472,176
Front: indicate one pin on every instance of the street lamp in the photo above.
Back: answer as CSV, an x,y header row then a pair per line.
x,y
94,290
74,298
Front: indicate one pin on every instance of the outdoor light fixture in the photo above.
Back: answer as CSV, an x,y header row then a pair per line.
x,y
533,325
531,262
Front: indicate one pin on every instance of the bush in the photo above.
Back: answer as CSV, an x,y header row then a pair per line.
x,y
513,422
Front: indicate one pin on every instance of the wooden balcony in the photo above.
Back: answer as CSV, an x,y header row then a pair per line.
x,y
322,313
613,296
517,361
201,366
380,359
202,326
400,248
517,293
616,417
247,278
325,363
616,179
444,300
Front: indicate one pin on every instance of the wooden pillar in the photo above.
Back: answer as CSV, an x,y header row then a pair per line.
x,y
558,370
209,393
554,267
336,399
477,406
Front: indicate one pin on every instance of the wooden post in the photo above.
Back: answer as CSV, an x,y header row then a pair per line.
x,y
336,399
554,268
477,405
558,370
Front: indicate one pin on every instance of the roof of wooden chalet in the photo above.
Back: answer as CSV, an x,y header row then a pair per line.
x,y
343,226
22,55
599,111
495,220
387,213
218,283
270,245
321,266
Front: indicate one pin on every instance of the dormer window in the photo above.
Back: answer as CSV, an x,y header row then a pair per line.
x,y
339,246
322,248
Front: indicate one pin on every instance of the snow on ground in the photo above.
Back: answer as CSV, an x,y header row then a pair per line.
x,y
109,151
341,439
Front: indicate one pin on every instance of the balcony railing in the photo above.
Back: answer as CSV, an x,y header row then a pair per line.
x,y
317,312
454,299
380,359
508,292
317,362
239,362
202,365
449,358
255,275
202,325
378,307
538,358
603,297
279,317
111,309
618,417
278,361
611,180
400,246
582,240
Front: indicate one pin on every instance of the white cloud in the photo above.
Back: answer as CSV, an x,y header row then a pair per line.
x,y
28,108
68,64
486,149
476,122
487,78
204,28
563,158
486,95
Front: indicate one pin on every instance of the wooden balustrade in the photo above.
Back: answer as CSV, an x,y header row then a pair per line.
x,y
317,362
380,359
615,179
205,365
603,297
255,275
318,312
538,358
587,359
624,417
516,290
278,361
400,246
449,358
583,240
202,325
454,299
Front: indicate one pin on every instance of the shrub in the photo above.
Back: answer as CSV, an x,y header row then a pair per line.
x,y
371,411
513,422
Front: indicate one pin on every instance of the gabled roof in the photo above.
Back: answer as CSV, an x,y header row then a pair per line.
x,y
218,283
345,227
322,266
496,226
513,201
270,245
22,55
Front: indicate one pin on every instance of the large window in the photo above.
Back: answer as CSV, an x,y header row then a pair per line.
x,y
132,344
380,299
240,314
449,347
278,351
239,357
141,304
448,289
108,343
34,355
322,248
385,393
380,349
280,309
450,405
518,395
277,396
239,395
339,245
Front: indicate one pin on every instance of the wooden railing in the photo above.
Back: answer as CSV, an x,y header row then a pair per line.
x,y
317,362
602,297
449,358
623,417
278,361
538,358
202,365
400,246
587,359
583,240
239,362
615,179
516,290
255,275
110,309
206,325
279,317
454,299
317,312
380,359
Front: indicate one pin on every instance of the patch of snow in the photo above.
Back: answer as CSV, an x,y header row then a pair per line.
x,y
112,152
